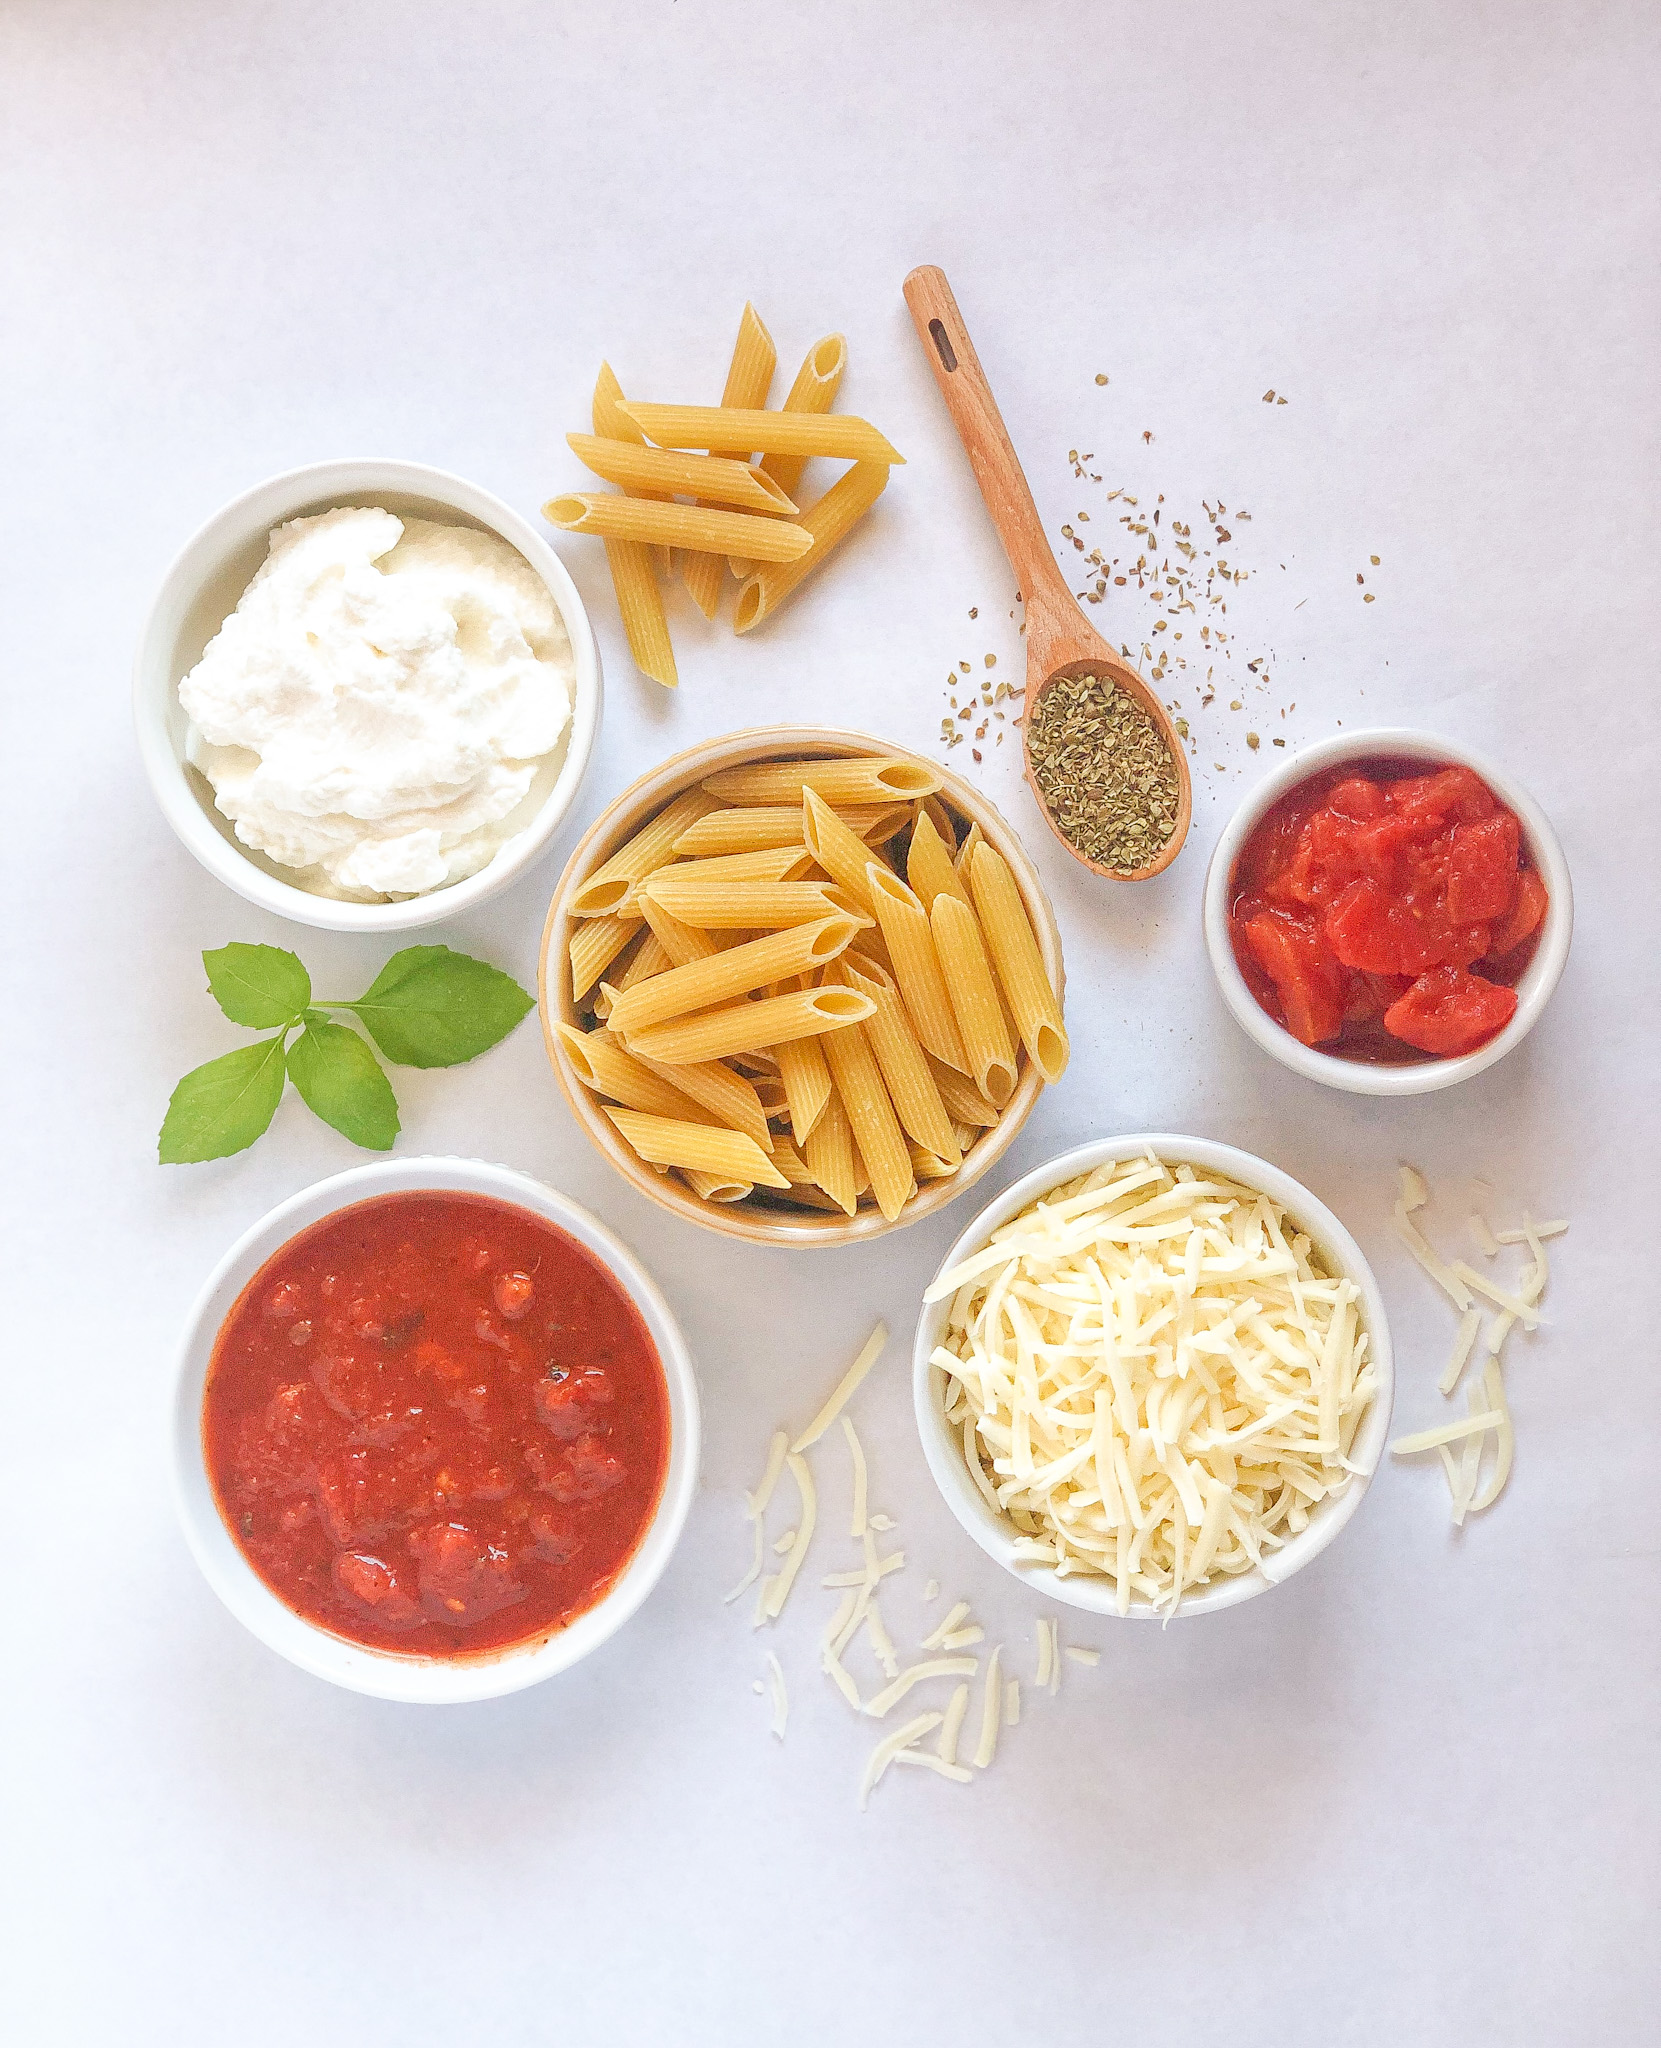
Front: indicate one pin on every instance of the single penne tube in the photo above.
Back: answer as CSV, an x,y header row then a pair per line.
x,y
647,959
926,1165
791,1163
700,527
640,602
717,1187
829,1152
723,1092
968,1109
966,852
747,905
683,943
842,854
699,985
904,925
853,779
928,864
775,1020
974,993
814,392
601,1064
749,379
876,1129
1019,964
905,1072
697,1148
760,864
807,1084
734,430
595,944
714,479
736,830
828,523
603,892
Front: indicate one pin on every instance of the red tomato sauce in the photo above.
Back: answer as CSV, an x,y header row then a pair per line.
x,y
435,1424
1385,912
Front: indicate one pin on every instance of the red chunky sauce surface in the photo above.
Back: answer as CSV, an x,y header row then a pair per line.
x,y
435,1424
1385,912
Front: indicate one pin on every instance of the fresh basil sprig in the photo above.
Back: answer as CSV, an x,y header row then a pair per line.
x,y
428,1007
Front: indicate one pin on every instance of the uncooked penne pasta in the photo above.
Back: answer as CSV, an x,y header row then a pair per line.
x,y
854,779
791,1163
647,959
968,1109
746,906
601,1064
905,1072
974,993
876,824
778,956
904,925
723,1092
761,864
1020,966
717,1187
966,852
697,1148
829,1152
673,525
928,864
712,479
876,1129
842,854
775,1020
749,379
741,831
595,943
807,1084
927,1166
827,523
731,430
684,943
653,845
814,392
633,572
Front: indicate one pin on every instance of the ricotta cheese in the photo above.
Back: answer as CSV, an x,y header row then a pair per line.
x,y
387,706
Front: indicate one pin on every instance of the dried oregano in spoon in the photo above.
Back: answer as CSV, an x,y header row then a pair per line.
x,y
1104,771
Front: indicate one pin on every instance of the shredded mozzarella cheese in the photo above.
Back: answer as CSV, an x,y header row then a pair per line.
x,y
1153,1377
781,1700
844,1388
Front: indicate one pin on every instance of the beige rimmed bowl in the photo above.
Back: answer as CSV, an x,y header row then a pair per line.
x,y
643,800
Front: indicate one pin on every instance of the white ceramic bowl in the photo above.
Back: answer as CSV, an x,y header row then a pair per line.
x,y
385,1675
1359,1077
943,1446
200,591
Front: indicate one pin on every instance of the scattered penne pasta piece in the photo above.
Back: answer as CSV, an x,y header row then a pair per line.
x,y
1009,938
735,430
778,956
828,523
974,995
718,1034
853,779
698,527
746,905
702,1148
749,379
714,479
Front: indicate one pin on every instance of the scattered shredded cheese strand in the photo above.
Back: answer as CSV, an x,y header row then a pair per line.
x,y
932,1590
1469,1325
1042,1675
1512,1305
930,1760
856,1451
754,1572
955,1712
1079,1656
1487,1242
781,1699
1055,1658
1505,1439
964,1638
889,1748
893,1562
1444,1433
938,1635
756,1503
776,1590
879,1706
1540,1230
1012,1702
991,1712
868,1357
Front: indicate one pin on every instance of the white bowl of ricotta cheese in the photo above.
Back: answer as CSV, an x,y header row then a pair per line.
x,y
366,695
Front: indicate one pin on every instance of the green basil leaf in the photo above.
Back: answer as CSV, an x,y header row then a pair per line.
x,y
341,1080
223,1107
430,1007
257,985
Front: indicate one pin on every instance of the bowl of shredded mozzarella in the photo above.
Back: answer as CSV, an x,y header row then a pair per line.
x,y
1154,1377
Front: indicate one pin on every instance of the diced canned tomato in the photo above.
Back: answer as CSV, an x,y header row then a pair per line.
x,y
1451,1011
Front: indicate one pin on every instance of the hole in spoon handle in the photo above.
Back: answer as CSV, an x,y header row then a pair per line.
x,y
942,344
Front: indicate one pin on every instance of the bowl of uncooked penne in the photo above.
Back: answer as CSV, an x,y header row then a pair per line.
x,y
802,987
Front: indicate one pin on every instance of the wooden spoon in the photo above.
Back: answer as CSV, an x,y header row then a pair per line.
x,y
1060,641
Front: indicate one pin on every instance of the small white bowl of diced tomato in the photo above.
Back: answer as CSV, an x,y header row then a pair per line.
x,y
1388,912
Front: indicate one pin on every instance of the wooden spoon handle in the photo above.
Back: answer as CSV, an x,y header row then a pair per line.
x,y
985,438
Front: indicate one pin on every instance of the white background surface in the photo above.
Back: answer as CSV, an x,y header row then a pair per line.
x,y
1412,1796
